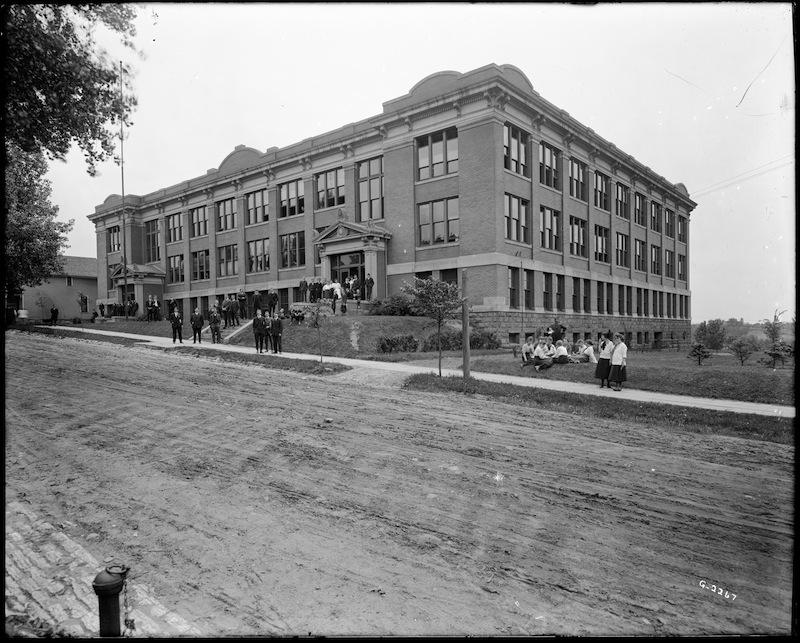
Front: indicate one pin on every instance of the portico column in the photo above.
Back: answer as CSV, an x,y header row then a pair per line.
x,y
325,260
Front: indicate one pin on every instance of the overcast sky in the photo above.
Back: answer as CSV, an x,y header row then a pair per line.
x,y
702,94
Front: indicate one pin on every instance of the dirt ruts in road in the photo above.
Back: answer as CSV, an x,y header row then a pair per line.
x,y
272,502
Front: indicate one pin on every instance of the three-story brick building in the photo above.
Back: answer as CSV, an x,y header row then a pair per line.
x,y
472,171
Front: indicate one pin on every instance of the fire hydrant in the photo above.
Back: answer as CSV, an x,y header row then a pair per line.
x,y
107,585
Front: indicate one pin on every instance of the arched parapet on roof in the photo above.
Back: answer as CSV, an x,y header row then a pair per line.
x,y
517,77
682,188
241,158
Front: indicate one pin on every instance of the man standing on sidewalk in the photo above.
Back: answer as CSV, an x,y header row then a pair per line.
x,y
196,321
275,332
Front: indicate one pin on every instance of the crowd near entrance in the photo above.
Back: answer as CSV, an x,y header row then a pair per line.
x,y
348,265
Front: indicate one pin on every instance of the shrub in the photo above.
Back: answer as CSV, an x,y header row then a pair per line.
x,y
77,320
397,344
399,305
742,348
452,340
700,353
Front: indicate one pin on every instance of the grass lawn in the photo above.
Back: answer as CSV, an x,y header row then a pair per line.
x,y
754,427
720,377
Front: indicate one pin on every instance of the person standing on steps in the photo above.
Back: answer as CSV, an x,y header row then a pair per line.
x,y
369,282
241,297
601,371
303,289
226,311
234,311
619,358
272,300
177,325
196,321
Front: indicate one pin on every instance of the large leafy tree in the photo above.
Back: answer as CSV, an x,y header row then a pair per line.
x,y
35,241
61,87
711,334
438,300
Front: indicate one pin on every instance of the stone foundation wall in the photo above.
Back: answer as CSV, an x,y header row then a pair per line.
x,y
653,332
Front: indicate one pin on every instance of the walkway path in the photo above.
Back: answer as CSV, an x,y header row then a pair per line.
x,y
410,368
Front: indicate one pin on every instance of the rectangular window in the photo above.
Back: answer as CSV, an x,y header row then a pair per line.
x,y
549,225
152,241
438,222
669,305
623,201
200,265
513,287
682,267
437,154
226,215
515,150
199,221
639,214
258,255
623,251
601,244
601,297
655,260
669,263
528,289
370,189
621,300
576,294
655,216
682,227
601,191
629,299
577,237
174,228
669,223
640,258
609,299
547,293
639,302
587,296
577,179
292,198
549,166
257,207
293,249
175,269
113,239
330,188
560,292
227,261
517,217
646,302
661,304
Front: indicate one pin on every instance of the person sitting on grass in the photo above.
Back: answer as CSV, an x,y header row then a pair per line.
x,y
561,356
543,355
527,352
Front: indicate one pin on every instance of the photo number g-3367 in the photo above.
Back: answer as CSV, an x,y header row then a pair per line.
x,y
718,590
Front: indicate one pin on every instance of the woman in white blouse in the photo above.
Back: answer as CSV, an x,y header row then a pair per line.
x,y
619,357
603,367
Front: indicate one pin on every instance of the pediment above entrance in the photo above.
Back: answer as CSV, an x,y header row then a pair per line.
x,y
137,271
351,231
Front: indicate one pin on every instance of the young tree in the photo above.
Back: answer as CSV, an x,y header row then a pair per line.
x,y
742,348
711,334
35,241
700,353
777,348
314,318
60,86
438,300
773,329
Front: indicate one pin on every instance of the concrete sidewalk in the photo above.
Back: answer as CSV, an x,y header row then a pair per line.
x,y
652,397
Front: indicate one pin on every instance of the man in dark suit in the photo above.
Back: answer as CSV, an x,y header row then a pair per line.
x,y
369,282
234,311
53,315
241,297
214,321
275,331
226,311
196,320
177,325
303,289
273,302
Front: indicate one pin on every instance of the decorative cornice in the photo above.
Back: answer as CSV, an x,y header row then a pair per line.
x,y
568,137
381,129
268,174
305,163
346,150
457,107
408,123
537,122
496,98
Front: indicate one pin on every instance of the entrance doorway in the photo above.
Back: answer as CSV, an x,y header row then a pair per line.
x,y
346,265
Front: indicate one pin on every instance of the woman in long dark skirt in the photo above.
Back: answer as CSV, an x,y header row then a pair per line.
x,y
601,371
619,359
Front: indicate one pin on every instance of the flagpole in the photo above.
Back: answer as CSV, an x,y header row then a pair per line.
x,y
122,173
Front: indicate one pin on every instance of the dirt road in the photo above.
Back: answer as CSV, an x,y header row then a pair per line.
x,y
260,502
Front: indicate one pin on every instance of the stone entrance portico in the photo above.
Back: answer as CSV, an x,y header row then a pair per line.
x,y
143,280
348,237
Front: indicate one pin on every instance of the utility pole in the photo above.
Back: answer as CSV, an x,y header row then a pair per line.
x,y
464,324
122,173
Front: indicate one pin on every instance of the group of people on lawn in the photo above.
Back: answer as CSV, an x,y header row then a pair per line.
x,y
267,328
611,361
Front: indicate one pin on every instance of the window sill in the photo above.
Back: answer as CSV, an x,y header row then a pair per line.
x,y
322,209
558,190
438,245
252,225
433,179
517,174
